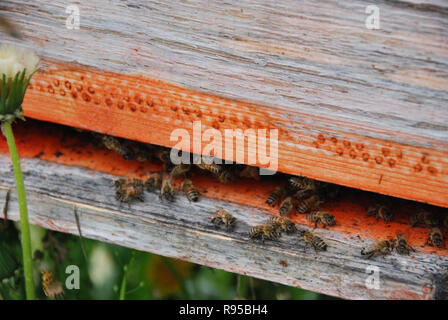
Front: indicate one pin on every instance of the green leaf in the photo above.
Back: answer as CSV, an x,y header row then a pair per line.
x,y
7,263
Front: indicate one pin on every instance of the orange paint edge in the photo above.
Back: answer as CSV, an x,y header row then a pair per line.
x,y
52,143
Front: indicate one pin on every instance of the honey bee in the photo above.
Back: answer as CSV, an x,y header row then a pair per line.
x,y
116,145
400,243
316,242
142,155
223,217
424,218
127,189
264,231
305,187
138,151
180,170
382,247
296,182
287,206
277,195
322,217
51,287
283,224
310,204
380,212
250,172
226,176
190,190
435,238
164,155
167,190
212,167
154,181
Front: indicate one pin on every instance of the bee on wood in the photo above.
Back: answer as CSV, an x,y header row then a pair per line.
x,y
380,212
287,206
51,287
424,218
277,195
154,181
142,155
316,242
264,231
138,151
435,238
163,155
116,145
250,172
322,217
226,175
190,190
180,170
282,223
296,182
167,191
400,243
212,167
305,187
127,189
382,247
223,217
310,204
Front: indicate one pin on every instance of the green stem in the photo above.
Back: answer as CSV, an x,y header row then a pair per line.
x,y
124,280
123,285
25,226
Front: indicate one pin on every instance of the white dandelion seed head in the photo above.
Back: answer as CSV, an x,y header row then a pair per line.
x,y
14,59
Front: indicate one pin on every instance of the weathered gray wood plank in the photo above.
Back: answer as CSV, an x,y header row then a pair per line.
x,y
182,230
307,56
357,107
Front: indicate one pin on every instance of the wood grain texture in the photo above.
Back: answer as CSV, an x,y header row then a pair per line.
x,y
357,107
182,230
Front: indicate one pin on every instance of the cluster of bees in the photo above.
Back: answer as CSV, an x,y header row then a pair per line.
x,y
300,195
296,195
435,223
129,189
270,230
313,193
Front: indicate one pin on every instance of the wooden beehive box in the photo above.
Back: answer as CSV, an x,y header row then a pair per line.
x,y
363,108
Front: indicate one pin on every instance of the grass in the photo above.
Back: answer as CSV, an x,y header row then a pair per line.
x,y
115,272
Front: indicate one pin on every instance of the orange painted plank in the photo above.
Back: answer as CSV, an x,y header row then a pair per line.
x,y
52,143
148,110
